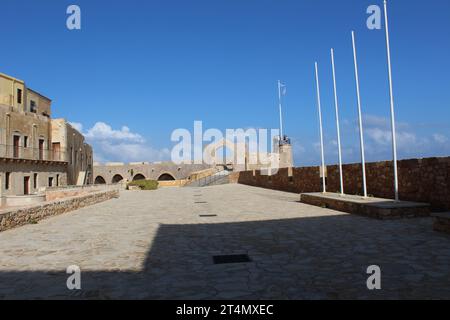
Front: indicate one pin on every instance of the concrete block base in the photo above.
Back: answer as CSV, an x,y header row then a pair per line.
x,y
377,208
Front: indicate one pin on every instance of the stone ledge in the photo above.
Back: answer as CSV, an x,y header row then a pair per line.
x,y
15,217
382,209
441,222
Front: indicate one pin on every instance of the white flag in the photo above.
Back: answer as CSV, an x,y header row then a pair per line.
x,y
283,89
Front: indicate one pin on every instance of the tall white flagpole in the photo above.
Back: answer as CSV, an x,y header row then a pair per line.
x,y
279,107
361,134
337,123
391,93
321,130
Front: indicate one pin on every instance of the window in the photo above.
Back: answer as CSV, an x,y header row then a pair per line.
x,y
19,96
25,141
35,181
7,180
16,146
33,106
56,151
50,181
57,180
41,149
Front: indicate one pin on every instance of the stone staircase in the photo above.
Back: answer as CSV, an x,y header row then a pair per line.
x,y
218,178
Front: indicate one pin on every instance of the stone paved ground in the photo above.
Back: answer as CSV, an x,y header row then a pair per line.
x,y
154,245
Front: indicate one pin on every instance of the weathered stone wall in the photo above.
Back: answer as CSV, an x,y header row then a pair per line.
x,y
73,191
301,179
173,183
422,180
38,173
151,171
11,218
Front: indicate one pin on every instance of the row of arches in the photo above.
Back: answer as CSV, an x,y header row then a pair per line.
x,y
118,178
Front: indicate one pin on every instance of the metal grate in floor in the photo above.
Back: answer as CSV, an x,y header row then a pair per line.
x,y
232,258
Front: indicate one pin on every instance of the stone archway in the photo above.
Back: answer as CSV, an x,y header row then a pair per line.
x,y
139,176
166,177
117,178
100,180
239,150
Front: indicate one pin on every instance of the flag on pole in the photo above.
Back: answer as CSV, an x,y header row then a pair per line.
x,y
283,89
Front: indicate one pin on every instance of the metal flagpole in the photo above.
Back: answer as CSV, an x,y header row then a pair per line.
x,y
321,130
337,123
391,93
361,134
279,107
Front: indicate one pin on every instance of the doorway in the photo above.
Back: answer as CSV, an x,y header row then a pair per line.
x,y
26,185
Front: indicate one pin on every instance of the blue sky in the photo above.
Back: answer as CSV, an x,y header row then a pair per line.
x,y
140,69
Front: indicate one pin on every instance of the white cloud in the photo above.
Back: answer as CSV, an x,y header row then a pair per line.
x,y
120,144
128,152
440,138
413,141
379,136
102,131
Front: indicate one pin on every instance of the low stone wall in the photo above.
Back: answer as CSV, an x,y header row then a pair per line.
x,y
172,183
420,180
377,210
234,177
201,174
73,191
14,217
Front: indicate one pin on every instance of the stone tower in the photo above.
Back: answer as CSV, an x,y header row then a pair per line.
x,y
283,148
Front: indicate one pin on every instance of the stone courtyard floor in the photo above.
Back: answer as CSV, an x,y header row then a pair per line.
x,y
154,244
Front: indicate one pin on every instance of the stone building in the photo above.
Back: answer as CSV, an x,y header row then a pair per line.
x,y
241,160
68,142
116,172
36,151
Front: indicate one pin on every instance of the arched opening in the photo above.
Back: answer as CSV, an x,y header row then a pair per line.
x,y
100,180
224,155
139,177
117,178
166,177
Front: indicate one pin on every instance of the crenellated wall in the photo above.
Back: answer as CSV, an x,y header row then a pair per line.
x,y
422,180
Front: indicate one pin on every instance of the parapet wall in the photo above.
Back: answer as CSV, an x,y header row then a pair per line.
x,y
73,191
422,180
14,217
